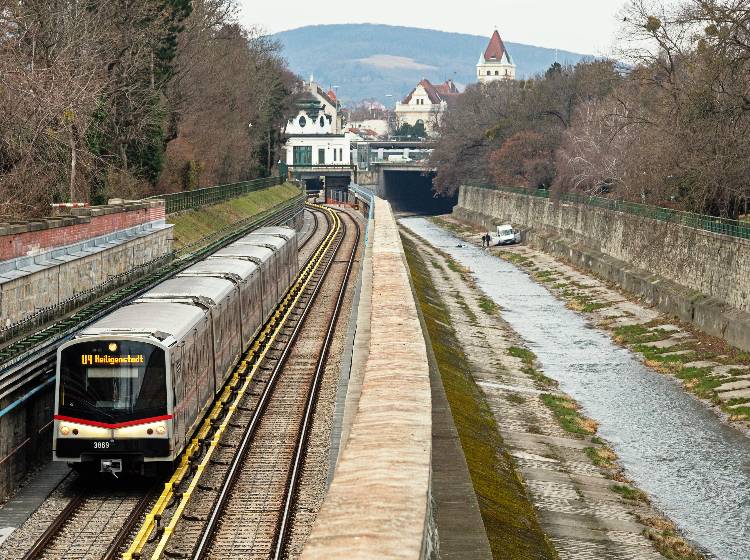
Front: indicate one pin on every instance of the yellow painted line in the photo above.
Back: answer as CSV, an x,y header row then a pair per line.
x,y
286,307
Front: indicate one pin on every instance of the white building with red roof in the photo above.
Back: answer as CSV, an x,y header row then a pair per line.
x,y
426,104
495,62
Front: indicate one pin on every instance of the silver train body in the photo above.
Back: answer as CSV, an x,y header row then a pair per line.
x,y
132,387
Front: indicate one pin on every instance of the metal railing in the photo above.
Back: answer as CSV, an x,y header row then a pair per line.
x,y
714,224
186,200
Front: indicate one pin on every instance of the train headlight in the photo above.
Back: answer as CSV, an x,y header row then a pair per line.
x,y
161,430
64,430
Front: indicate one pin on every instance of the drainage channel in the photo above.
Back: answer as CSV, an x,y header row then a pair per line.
x,y
696,469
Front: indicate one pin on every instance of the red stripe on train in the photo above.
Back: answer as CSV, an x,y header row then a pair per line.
x,y
113,426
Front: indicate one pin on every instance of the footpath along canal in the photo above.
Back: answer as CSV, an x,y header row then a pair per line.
x,y
695,468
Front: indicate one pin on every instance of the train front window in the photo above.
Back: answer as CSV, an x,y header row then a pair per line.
x,y
112,381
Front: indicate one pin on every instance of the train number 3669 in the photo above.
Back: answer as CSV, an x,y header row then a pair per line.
x,y
101,445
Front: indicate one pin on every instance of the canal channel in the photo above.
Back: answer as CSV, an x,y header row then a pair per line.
x,y
695,468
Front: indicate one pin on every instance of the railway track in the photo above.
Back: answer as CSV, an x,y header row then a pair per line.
x,y
98,525
93,524
245,473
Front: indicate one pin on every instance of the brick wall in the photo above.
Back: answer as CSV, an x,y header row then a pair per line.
x,y
28,238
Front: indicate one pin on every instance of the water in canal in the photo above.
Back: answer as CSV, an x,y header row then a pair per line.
x,y
696,469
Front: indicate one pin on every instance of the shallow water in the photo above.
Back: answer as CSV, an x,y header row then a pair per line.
x,y
696,469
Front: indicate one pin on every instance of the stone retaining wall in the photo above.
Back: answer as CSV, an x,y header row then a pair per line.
x,y
693,274
378,505
49,278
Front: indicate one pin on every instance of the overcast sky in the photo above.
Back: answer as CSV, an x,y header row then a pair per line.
x,y
585,26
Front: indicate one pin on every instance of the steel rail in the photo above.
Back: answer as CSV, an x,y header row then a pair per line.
x,y
295,473
217,420
204,543
40,360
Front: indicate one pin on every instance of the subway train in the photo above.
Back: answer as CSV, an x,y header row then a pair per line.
x,y
132,387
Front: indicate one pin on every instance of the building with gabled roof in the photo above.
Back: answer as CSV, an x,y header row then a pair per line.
x,y
426,104
495,62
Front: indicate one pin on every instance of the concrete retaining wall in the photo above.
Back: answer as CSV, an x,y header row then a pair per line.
x,y
695,275
378,505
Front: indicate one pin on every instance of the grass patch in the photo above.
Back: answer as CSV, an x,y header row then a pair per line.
x,y
667,541
192,225
567,415
517,259
601,456
629,493
465,307
540,380
526,355
514,398
509,518
545,275
488,306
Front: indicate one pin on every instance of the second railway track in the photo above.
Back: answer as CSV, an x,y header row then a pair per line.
x,y
236,496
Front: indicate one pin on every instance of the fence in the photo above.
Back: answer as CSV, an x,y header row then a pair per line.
x,y
176,202
714,224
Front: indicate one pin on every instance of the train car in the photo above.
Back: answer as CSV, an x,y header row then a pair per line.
x,y
132,387
221,300
291,247
279,258
127,386
246,276
263,258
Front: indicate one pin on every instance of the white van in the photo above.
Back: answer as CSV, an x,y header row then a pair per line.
x,y
506,235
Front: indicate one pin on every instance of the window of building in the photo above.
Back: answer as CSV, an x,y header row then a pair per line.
x,y
322,122
507,73
302,122
497,72
321,156
341,154
302,155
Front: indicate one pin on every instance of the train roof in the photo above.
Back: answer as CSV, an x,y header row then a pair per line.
x,y
222,268
244,251
206,290
285,232
158,319
263,241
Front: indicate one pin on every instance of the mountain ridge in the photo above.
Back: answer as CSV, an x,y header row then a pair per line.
x,y
384,62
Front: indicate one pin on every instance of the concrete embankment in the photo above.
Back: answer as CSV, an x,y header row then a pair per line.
x,y
696,275
379,502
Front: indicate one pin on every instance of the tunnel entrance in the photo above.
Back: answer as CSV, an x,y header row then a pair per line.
x,y
411,191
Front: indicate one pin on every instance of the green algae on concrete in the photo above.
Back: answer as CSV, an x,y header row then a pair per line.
x,y
509,517
192,225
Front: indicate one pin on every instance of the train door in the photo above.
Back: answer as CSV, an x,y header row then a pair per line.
x,y
178,396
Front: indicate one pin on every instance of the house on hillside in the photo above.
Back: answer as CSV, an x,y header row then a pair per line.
x,y
315,135
495,62
426,104
318,148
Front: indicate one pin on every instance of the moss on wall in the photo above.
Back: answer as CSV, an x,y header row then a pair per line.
x,y
509,517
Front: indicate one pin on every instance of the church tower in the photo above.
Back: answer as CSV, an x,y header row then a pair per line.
x,y
495,63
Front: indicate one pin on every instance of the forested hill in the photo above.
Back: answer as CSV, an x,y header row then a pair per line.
x,y
370,61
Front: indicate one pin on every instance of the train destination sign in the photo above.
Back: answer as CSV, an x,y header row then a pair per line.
x,y
105,360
